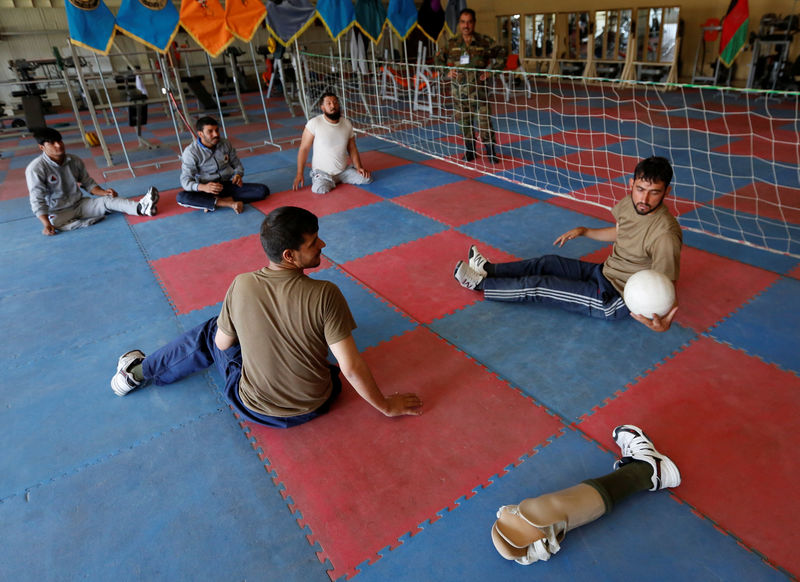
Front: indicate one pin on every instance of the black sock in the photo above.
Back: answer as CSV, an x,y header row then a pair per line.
x,y
489,268
629,479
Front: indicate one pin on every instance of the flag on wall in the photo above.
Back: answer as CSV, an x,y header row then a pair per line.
x,y
243,17
91,24
337,16
151,22
454,8
370,18
205,22
402,17
734,31
430,18
288,19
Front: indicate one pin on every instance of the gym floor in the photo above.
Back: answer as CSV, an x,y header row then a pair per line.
x,y
520,400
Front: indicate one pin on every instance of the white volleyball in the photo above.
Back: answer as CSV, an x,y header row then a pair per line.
x,y
648,292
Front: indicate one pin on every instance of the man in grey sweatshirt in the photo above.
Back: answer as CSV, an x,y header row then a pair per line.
x,y
55,180
211,173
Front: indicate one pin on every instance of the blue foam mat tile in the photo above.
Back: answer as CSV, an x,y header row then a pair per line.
x,y
16,209
767,326
68,416
198,316
514,186
542,224
551,178
587,372
279,180
37,261
128,506
108,302
377,321
271,160
366,143
400,180
783,238
370,229
123,183
631,543
771,261
193,230
21,160
403,153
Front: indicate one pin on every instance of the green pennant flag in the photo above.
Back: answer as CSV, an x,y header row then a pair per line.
x,y
734,31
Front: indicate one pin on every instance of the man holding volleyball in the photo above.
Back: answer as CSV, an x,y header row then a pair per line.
x,y
646,236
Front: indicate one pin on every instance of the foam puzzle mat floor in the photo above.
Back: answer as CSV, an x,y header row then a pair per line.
x,y
520,400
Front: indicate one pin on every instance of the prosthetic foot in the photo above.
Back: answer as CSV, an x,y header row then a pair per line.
x,y
534,529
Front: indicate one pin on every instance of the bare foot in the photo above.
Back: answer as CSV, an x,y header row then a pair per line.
x,y
234,205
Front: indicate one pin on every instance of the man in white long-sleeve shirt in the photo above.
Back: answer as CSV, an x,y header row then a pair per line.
x,y
211,173
55,180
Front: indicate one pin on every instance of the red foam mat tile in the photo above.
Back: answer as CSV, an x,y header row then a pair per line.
x,y
343,197
781,203
584,139
418,276
201,277
601,163
472,427
374,160
462,202
730,423
778,146
711,287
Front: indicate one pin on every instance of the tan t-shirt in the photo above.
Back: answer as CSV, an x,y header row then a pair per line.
x,y
650,241
285,322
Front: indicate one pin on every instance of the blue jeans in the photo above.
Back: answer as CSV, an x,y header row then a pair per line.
x,y
195,350
247,192
574,285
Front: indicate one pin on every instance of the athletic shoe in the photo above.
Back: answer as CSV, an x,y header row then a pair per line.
x,y
477,261
469,155
148,203
123,381
635,446
467,276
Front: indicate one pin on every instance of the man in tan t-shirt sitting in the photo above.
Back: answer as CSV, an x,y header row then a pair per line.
x,y
271,339
646,236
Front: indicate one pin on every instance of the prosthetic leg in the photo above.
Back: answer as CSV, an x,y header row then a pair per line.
x,y
534,529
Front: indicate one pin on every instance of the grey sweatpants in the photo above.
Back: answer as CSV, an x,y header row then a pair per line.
x,y
322,182
90,210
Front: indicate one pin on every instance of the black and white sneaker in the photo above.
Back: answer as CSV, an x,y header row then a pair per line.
x,y
477,261
635,446
467,276
123,381
148,205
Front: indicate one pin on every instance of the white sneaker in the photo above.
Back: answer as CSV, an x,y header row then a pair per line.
x,y
467,276
635,445
148,203
123,381
477,261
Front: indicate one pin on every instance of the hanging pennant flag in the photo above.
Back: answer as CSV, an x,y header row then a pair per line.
x,y
150,22
734,31
402,17
243,17
91,24
337,16
288,19
370,18
204,20
454,8
431,19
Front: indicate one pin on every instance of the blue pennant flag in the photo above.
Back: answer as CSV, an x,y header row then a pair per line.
x,y
91,24
402,16
288,19
151,22
370,18
337,16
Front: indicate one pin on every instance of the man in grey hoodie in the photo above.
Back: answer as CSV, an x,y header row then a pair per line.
x,y
211,173
55,180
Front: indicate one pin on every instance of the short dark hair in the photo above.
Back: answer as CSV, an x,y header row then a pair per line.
x,y
469,11
43,135
284,228
203,121
328,94
654,169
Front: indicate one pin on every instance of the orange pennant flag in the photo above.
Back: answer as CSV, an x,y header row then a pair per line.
x,y
244,16
204,20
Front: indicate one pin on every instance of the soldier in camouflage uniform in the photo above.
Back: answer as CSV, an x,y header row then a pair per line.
x,y
471,52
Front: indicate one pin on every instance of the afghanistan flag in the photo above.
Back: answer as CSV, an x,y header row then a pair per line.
x,y
734,31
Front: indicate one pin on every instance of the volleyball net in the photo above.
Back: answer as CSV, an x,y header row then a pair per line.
x,y
735,153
